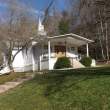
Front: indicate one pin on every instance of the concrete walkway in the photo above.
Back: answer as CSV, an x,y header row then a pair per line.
x,y
12,84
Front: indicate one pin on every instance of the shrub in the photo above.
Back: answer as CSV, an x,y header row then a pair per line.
x,y
86,61
62,62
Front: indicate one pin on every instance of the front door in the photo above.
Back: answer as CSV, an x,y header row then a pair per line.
x,y
60,51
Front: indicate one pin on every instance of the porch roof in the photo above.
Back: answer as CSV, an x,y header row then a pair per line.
x,y
71,38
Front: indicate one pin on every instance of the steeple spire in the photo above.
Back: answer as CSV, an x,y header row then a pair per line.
x,y
41,30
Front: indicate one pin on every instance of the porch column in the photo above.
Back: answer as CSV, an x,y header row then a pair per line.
x,y
40,63
66,48
49,53
34,66
87,49
41,57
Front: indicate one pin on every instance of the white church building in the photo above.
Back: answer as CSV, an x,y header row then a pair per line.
x,y
43,54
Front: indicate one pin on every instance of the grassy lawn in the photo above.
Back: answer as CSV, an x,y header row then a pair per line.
x,y
83,89
10,77
104,65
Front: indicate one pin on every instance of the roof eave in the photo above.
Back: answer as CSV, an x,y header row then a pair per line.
x,y
73,35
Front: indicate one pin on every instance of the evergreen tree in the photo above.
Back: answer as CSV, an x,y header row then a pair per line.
x,y
63,26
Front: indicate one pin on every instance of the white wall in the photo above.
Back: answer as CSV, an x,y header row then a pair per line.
x,y
19,60
37,52
72,55
45,65
52,63
23,60
29,59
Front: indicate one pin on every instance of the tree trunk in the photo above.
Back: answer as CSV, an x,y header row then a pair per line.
x,y
102,51
102,33
107,48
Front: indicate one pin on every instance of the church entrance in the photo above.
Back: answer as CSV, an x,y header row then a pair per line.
x,y
60,51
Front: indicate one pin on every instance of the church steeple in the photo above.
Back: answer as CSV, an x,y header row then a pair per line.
x,y
41,30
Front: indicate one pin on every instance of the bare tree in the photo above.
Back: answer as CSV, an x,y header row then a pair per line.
x,y
93,22
17,31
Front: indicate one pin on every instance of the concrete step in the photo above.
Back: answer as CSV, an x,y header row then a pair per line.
x,y
77,64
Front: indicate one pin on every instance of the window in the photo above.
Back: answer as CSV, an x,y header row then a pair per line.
x,y
45,47
72,49
60,49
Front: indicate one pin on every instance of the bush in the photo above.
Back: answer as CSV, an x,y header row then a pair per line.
x,y
86,61
62,62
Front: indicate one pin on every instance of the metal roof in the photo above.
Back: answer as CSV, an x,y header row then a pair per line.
x,y
75,36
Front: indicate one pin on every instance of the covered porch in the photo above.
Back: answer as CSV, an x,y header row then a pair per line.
x,y
60,46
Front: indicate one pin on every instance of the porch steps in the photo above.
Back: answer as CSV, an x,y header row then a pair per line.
x,y
77,64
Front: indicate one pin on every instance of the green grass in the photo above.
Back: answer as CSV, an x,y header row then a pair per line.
x,y
11,76
104,65
82,89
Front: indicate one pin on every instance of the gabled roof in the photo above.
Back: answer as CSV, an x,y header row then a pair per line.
x,y
71,38
75,36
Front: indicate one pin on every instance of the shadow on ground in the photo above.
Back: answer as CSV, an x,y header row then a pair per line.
x,y
55,80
